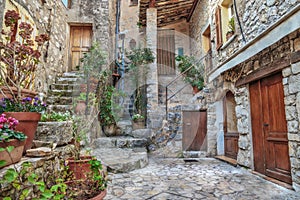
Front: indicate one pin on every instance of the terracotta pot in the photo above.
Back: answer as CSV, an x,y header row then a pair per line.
x,y
195,90
138,124
79,167
15,155
80,107
99,196
77,184
14,90
110,130
28,122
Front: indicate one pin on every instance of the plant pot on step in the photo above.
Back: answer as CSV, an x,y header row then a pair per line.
x,y
28,122
79,167
15,155
195,90
84,190
110,130
138,124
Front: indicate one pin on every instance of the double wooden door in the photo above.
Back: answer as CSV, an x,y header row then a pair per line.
x,y
165,52
194,131
80,43
269,128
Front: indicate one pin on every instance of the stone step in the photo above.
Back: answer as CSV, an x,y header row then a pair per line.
x,y
119,142
65,93
66,80
194,154
60,108
73,74
64,86
120,160
56,100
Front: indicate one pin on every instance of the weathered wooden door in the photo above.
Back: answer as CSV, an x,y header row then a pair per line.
x,y
269,128
231,135
166,52
194,131
80,43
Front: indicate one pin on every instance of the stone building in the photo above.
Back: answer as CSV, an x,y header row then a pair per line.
x,y
253,82
250,107
71,25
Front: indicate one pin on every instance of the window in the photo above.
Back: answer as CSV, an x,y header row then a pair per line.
x,y
67,3
133,2
225,25
218,28
206,44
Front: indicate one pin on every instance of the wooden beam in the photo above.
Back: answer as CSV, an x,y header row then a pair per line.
x,y
192,10
152,4
272,68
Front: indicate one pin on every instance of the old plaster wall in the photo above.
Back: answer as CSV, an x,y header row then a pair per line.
x,y
49,18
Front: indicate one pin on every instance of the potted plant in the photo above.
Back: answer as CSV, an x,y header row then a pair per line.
x,y
231,27
92,186
12,142
27,112
139,60
19,57
138,121
192,71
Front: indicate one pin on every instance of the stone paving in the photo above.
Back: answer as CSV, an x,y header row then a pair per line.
x,y
208,178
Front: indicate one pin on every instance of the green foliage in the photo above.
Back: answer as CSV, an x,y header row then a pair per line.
x,y
231,25
140,58
56,117
28,185
27,104
192,70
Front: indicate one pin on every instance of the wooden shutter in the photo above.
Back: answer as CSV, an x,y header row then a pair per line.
x,y
218,27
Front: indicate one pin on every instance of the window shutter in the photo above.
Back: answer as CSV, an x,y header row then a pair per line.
x,y
218,27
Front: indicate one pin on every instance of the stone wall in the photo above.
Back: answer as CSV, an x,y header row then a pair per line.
x,y
286,50
99,13
49,18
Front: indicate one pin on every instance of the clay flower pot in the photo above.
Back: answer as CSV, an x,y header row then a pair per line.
x,y
79,167
15,155
28,122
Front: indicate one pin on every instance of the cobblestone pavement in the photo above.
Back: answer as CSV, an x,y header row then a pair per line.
x,y
174,179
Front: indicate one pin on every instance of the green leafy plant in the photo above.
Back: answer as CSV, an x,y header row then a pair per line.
x,y
192,70
137,117
140,58
19,54
28,185
56,116
231,25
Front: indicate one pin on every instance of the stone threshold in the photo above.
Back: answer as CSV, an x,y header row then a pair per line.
x,y
275,181
228,160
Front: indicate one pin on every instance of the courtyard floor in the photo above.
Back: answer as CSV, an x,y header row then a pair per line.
x,y
208,178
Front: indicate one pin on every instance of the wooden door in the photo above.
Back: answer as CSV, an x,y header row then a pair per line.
x,y
231,135
80,43
166,52
194,131
269,128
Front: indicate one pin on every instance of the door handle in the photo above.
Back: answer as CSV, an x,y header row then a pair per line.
x,y
265,124
188,124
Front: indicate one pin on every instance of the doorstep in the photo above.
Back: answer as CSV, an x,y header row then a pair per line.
x,y
230,161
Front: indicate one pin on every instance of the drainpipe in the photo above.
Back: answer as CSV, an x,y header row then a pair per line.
x,y
117,28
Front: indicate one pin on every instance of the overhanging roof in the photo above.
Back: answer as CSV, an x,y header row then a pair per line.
x,y
168,11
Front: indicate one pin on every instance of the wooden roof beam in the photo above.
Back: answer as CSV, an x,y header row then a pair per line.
x,y
152,4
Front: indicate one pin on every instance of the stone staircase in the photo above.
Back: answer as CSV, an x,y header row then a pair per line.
x,y
120,154
63,91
